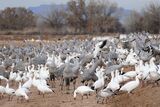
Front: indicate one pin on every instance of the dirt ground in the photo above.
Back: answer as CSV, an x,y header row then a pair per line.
x,y
142,97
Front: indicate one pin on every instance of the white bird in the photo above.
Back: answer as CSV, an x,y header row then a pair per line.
x,y
153,71
152,65
21,92
83,90
99,83
18,77
12,75
145,71
99,72
104,94
131,74
44,72
132,58
28,83
113,84
130,86
120,78
44,89
2,91
9,91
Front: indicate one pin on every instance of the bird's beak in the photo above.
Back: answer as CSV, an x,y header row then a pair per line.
x,y
53,91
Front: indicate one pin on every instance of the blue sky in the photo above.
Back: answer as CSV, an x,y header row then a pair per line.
x,y
127,4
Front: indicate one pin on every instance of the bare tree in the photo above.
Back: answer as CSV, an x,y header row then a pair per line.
x,y
148,20
100,16
151,16
77,18
56,20
95,16
16,18
134,22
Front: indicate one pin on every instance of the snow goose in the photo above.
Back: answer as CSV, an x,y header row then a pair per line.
x,y
158,69
104,94
99,83
130,86
12,76
132,58
18,77
132,74
44,89
9,91
99,72
113,84
145,71
44,72
21,92
2,91
35,81
28,83
153,71
152,65
83,90
50,59
120,78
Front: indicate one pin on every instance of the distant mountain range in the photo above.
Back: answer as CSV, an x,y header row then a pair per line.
x,y
44,10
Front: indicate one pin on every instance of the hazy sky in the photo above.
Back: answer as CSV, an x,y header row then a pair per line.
x,y
128,4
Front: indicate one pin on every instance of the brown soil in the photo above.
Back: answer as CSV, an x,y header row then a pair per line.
x,y
141,97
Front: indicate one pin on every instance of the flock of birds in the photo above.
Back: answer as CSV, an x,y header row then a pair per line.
x,y
99,65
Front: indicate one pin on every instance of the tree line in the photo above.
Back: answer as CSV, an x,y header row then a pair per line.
x,y
16,19
84,17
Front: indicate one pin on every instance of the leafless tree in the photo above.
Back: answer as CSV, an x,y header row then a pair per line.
x,y
56,19
151,16
100,16
148,20
134,22
77,18
16,18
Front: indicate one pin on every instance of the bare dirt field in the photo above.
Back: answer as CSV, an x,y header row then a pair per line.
x,y
142,97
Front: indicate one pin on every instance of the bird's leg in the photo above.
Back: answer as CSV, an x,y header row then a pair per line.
x,y
142,84
82,97
74,84
17,99
53,83
102,100
106,100
156,82
9,97
96,91
131,92
43,95
21,99
39,92
0,96
98,100
61,83
87,96
67,87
